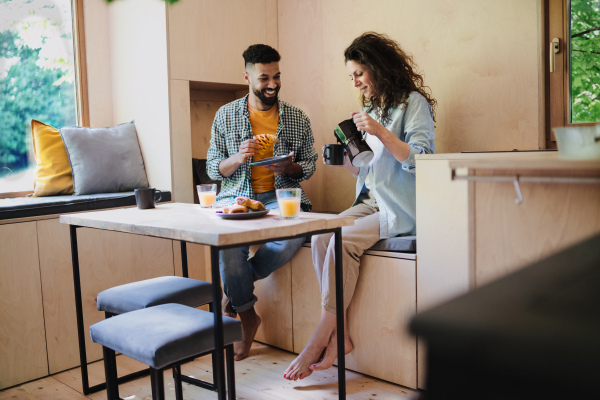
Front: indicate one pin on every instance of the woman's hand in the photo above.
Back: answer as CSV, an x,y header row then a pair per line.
x,y
365,123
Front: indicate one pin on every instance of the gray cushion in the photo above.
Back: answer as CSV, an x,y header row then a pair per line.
x,y
152,292
401,244
162,335
104,160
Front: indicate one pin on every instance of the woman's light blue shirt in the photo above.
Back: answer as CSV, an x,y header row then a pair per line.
x,y
392,183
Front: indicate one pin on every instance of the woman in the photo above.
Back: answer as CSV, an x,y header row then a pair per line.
x,y
397,121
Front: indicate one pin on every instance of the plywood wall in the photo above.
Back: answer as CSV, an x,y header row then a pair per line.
x,y
481,59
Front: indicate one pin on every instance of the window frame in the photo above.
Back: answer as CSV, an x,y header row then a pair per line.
x,y
557,83
83,112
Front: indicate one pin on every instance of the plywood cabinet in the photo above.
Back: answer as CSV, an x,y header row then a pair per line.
x,y
38,329
22,342
384,301
472,232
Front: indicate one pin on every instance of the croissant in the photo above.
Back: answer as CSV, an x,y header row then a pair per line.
x,y
235,208
251,204
266,143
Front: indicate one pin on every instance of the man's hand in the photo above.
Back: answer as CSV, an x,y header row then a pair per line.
x,y
286,167
247,149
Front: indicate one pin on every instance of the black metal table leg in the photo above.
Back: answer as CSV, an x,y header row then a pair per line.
x,y
184,260
339,306
219,359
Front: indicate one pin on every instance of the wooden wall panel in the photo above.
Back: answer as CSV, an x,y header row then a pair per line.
x,y
204,106
384,301
274,306
108,259
59,297
551,218
181,140
306,298
23,344
481,61
207,38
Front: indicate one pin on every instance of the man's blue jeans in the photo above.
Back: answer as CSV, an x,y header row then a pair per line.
x,y
238,273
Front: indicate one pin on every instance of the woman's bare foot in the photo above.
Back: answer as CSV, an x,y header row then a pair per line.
x,y
300,367
312,353
250,323
331,353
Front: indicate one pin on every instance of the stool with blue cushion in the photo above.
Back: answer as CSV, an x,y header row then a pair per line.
x,y
152,292
163,337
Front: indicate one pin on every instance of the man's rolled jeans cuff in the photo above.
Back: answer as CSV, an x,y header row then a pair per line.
x,y
245,307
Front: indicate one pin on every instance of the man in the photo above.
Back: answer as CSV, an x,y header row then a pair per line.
x,y
232,148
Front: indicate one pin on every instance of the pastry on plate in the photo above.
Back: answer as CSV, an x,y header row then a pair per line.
x,y
235,208
251,204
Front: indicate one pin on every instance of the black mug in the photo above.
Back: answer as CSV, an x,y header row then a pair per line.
x,y
334,154
147,198
357,148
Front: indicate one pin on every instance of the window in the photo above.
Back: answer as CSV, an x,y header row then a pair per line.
x,y
38,80
572,43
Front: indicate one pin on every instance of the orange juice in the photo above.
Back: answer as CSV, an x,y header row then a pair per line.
x,y
289,207
207,199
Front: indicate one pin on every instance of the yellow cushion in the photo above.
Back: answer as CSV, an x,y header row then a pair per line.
x,y
53,175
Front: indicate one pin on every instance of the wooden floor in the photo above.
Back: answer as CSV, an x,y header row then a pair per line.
x,y
259,377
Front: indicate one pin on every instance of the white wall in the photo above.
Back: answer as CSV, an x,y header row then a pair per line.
x,y
126,46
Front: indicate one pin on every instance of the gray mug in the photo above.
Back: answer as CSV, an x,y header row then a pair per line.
x,y
147,197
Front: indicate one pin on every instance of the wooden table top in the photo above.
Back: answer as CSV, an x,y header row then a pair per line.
x,y
190,223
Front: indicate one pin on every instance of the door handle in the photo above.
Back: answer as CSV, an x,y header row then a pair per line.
x,y
554,49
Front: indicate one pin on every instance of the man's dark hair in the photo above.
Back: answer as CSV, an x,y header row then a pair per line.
x,y
260,54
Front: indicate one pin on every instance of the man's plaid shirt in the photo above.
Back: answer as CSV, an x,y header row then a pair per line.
x,y
232,126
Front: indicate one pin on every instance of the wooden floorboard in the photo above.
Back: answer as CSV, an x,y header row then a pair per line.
x,y
259,377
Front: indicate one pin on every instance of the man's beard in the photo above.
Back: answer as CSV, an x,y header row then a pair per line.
x,y
267,101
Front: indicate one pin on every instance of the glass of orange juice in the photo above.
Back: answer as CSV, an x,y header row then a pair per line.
x,y
289,202
207,194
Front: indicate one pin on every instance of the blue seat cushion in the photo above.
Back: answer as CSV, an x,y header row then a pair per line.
x,y
163,335
398,244
152,292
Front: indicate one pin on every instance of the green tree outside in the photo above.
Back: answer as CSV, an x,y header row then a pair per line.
x,y
585,61
27,92
36,75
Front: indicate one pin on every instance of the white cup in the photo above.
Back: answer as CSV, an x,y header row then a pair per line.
x,y
207,194
289,202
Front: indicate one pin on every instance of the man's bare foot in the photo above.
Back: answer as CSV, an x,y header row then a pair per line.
x,y
250,323
227,308
331,353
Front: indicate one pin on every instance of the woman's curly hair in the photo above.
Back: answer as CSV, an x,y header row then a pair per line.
x,y
392,73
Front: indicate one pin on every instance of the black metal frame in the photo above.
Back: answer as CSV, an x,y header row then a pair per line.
x,y
217,359
156,375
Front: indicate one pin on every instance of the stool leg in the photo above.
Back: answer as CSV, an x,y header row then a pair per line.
x,y
230,372
110,372
178,384
158,384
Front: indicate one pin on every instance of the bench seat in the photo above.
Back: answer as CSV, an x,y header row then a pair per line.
x,y
21,207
